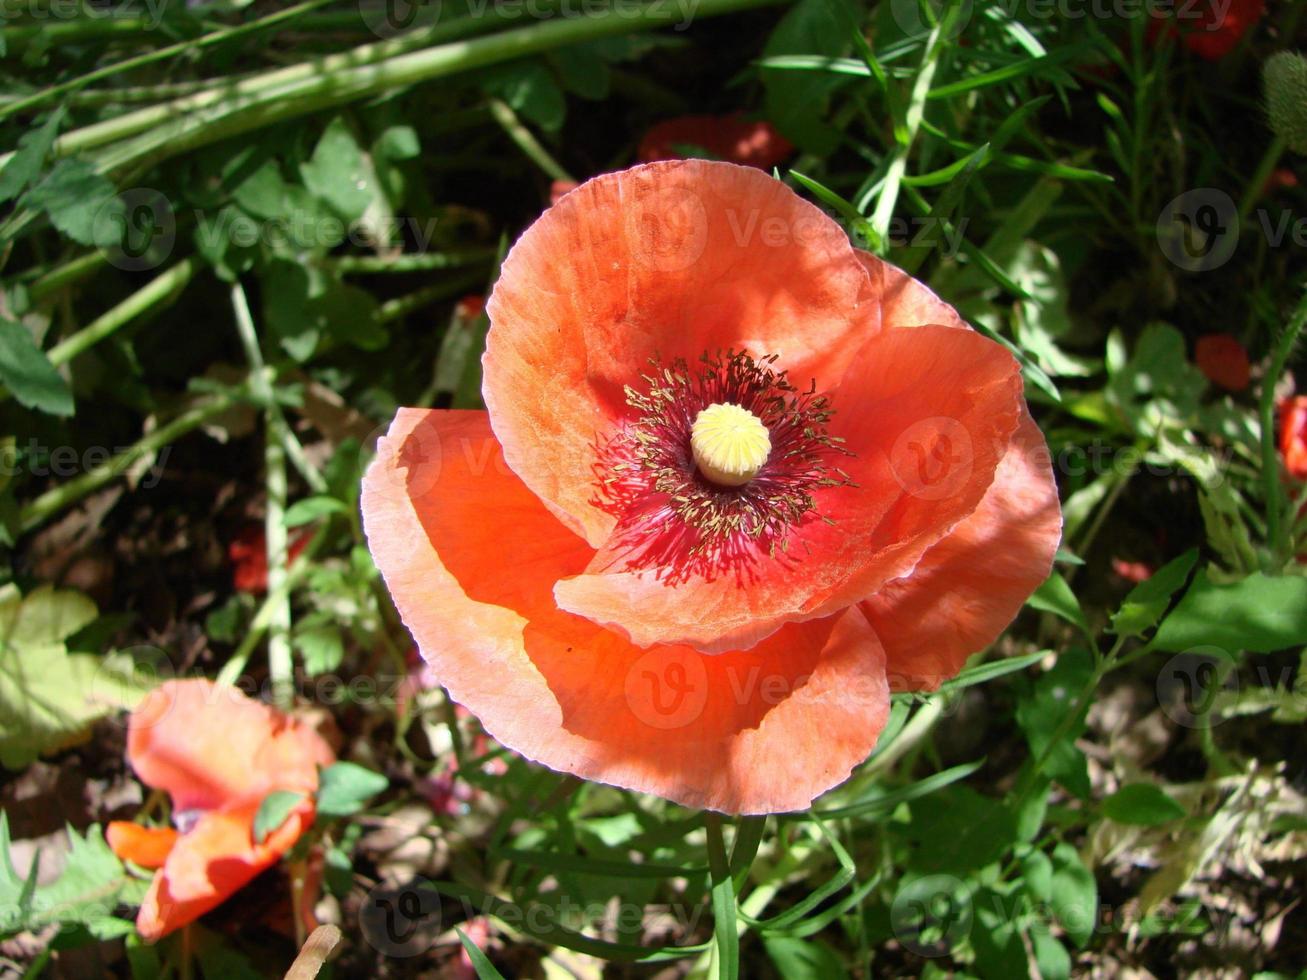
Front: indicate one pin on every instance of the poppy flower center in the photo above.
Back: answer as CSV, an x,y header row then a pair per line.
x,y
715,466
730,444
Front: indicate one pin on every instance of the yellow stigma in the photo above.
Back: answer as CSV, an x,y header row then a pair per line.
x,y
730,444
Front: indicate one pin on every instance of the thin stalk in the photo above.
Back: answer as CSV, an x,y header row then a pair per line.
x,y
69,272
170,52
526,141
36,512
401,306
186,124
281,665
157,291
1253,191
410,262
898,165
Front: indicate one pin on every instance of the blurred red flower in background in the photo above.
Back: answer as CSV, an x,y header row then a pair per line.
x,y
248,554
1223,361
218,754
1209,28
1293,436
730,138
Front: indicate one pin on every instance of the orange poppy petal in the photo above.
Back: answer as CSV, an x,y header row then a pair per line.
x,y
145,846
928,413
753,732
674,260
970,586
907,302
207,745
211,862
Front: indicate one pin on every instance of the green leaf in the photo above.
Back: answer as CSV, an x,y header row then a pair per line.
x,y
312,508
1143,805
795,101
957,831
49,697
726,938
1055,596
33,147
1148,600
1037,875
803,960
344,788
273,811
1074,894
1051,957
529,89
485,969
28,373
93,884
1041,713
1259,614
339,174
321,647
995,937
81,203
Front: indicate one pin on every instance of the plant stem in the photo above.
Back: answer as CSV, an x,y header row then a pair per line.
x,y
172,51
281,666
1257,183
889,194
526,141
70,492
158,290
69,272
409,262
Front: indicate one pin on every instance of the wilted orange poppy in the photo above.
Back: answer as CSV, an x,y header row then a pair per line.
x,y
736,481
218,754
754,143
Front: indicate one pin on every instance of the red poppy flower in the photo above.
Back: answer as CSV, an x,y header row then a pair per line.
x,y
1210,28
248,554
730,138
217,754
735,479
470,306
1223,361
1293,436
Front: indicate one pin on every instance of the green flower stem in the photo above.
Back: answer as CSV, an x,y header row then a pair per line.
x,y
898,165
401,306
70,272
409,262
272,601
273,97
1277,533
323,68
179,50
1253,191
159,290
281,665
526,141
38,511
